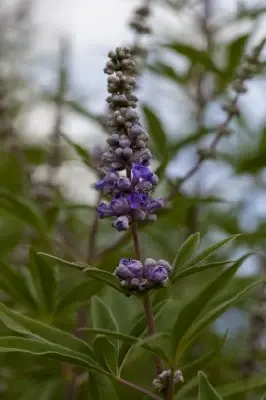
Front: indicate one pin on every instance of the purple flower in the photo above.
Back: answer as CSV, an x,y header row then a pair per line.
x,y
136,200
120,205
154,204
104,210
140,171
99,185
157,274
124,184
121,223
129,269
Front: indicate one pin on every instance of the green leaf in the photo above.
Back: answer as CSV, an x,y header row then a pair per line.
x,y
210,250
105,277
13,344
185,251
105,353
168,72
28,326
211,316
236,51
22,209
190,312
14,284
60,261
81,151
206,391
102,316
44,282
156,344
101,388
194,55
197,269
80,294
242,386
156,131
138,329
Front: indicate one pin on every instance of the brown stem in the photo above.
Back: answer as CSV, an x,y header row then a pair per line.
x,y
139,389
170,389
147,300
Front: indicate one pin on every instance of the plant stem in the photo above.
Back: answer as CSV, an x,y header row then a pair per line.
x,y
170,389
147,300
139,389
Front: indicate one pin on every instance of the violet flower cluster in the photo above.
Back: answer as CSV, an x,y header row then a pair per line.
x,y
127,179
138,277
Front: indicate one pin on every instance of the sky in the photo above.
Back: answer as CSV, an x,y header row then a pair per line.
x,y
95,27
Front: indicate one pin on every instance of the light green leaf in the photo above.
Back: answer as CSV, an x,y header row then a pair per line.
x,y
190,312
105,277
13,344
60,261
185,252
81,151
206,391
197,269
210,250
28,326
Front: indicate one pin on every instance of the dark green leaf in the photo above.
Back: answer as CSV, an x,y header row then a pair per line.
x,y
156,131
22,209
81,151
105,353
206,391
44,282
60,261
101,388
242,386
194,55
190,312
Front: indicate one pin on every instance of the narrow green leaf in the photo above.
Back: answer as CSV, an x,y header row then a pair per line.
x,y
197,269
185,252
210,250
60,261
156,130
44,282
13,344
14,284
211,316
156,344
190,312
242,386
81,151
105,353
102,316
194,55
139,327
28,326
80,294
104,276
101,388
206,390
22,209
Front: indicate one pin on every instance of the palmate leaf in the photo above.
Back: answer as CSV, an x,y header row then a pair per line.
x,y
101,388
105,353
190,312
206,391
60,261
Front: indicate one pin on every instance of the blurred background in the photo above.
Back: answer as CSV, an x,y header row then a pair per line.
x,y
53,130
